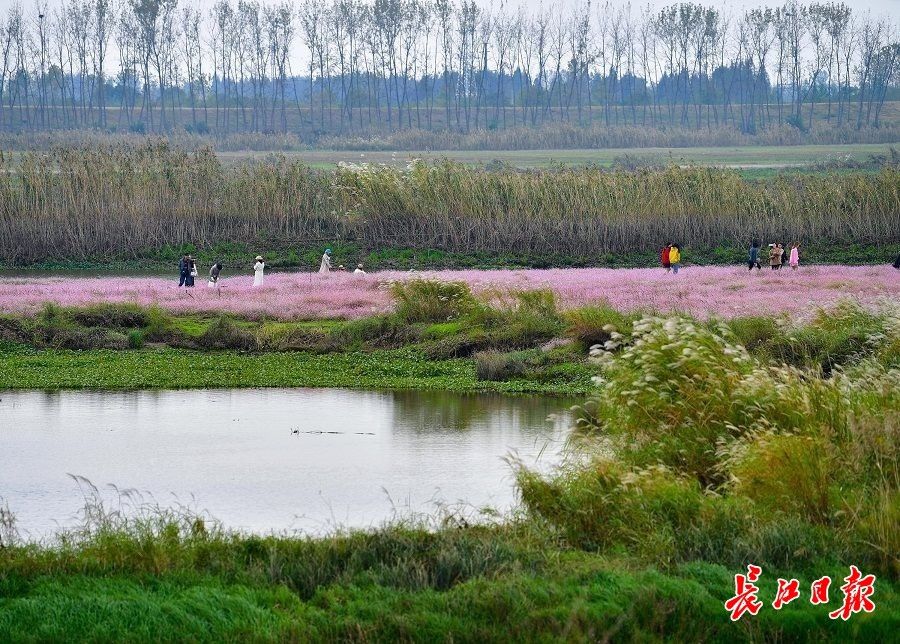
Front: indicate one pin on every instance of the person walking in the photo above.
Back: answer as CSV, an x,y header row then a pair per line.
x,y
258,269
774,257
325,266
183,270
675,257
191,273
754,255
794,259
665,257
214,275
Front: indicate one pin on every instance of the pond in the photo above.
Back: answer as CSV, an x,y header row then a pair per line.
x,y
264,460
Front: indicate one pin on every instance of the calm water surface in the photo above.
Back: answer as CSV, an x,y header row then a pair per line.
x,y
273,459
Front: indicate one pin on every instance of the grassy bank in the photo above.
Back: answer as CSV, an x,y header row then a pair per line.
x,y
703,447
306,256
115,204
438,336
470,585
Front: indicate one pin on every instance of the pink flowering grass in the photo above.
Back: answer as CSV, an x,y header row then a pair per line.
x,y
701,291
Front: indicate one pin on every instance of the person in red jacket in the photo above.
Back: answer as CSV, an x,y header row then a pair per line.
x,y
665,258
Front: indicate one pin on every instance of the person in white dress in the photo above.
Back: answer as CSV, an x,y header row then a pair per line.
x,y
325,266
359,270
258,268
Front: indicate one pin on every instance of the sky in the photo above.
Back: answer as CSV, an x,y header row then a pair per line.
x,y
879,8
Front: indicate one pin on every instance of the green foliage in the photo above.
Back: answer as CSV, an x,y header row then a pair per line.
x,y
790,474
224,333
135,339
111,316
384,331
756,333
837,336
431,300
602,505
519,319
407,368
494,365
676,392
592,325
710,454
160,326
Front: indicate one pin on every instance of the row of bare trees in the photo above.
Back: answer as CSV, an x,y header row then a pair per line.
x,y
356,68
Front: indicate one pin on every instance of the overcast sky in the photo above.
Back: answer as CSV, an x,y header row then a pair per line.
x,y
888,8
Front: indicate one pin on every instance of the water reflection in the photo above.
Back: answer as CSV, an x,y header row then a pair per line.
x,y
271,459
421,411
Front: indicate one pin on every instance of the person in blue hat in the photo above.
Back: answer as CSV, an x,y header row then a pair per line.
x,y
325,266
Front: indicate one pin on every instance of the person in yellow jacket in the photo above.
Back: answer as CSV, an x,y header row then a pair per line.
x,y
675,258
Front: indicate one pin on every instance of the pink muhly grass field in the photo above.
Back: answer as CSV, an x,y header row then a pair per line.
x,y
702,291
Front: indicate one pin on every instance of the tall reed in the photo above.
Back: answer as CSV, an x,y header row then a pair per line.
x,y
124,201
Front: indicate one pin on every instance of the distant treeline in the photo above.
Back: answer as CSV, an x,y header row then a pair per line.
x,y
124,202
348,68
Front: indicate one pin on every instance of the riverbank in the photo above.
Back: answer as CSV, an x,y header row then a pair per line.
x,y
429,335
466,584
704,448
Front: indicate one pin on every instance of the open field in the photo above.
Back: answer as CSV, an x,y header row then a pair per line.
x,y
699,291
744,158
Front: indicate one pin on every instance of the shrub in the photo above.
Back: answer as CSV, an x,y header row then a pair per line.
x,y
296,339
51,314
12,330
790,474
837,336
603,504
755,333
519,319
592,325
431,300
672,394
111,316
223,333
159,325
135,339
497,366
459,346
385,331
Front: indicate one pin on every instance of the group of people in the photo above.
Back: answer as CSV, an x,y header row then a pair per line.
x,y
188,271
671,258
325,265
776,256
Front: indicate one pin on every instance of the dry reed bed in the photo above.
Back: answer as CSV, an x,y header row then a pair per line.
x,y
115,202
